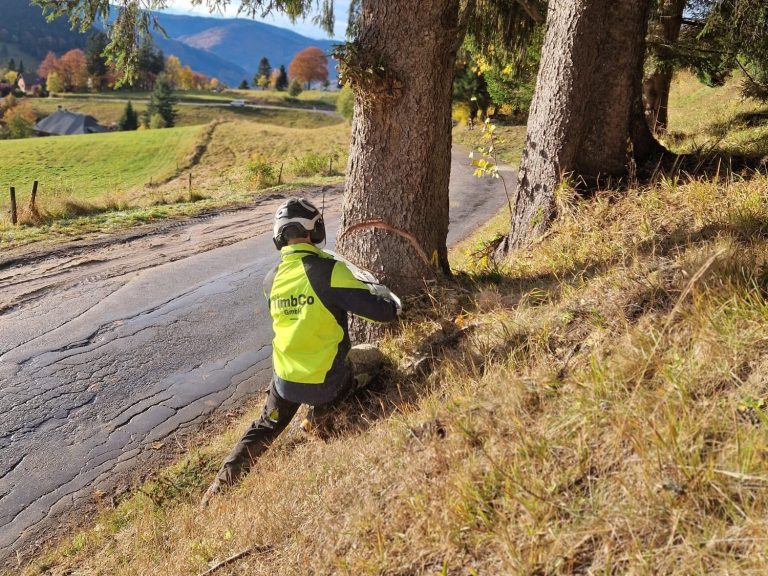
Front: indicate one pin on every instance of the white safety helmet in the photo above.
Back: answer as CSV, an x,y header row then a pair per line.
x,y
294,218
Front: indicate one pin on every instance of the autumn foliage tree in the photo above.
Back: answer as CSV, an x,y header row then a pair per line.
x,y
48,65
73,71
309,65
20,121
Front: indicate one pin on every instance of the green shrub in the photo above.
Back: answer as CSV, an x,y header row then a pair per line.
x,y
157,121
312,164
295,89
345,103
261,171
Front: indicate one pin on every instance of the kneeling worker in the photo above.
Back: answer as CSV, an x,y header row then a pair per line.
x,y
309,294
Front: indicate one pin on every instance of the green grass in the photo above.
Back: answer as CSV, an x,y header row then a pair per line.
x,y
309,98
91,165
101,183
107,111
509,141
731,125
194,96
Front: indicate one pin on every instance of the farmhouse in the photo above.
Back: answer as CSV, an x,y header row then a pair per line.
x,y
63,122
31,84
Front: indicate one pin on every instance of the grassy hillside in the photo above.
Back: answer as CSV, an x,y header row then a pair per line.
x,y
101,183
307,99
605,414
226,163
605,411
111,181
108,111
703,118
95,164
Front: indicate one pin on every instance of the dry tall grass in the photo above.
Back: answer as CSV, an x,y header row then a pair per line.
x,y
606,414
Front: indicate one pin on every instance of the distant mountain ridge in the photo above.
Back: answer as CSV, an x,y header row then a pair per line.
x,y
24,31
241,41
226,48
201,61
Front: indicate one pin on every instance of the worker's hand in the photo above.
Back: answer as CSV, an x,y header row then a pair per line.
x,y
384,292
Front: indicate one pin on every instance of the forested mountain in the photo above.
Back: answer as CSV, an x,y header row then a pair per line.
x,y
201,61
24,32
241,41
225,48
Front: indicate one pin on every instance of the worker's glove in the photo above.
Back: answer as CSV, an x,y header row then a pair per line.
x,y
384,292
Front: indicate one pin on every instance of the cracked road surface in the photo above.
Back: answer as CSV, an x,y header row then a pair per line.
x,y
109,346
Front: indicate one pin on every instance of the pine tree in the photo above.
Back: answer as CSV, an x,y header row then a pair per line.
x,y
243,85
282,80
129,120
265,69
584,118
95,60
21,67
162,103
11,65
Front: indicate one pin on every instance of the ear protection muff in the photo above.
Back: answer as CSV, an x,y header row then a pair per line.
x,y
317,236
286,233
294,219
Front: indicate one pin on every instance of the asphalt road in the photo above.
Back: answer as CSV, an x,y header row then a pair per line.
x,y
109,346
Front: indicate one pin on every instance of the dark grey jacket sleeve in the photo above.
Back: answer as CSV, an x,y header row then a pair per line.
x,y
340,288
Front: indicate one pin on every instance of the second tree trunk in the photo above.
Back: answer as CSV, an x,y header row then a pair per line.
x,y
587,120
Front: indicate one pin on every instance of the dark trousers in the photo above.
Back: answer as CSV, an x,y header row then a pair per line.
x,y
277,414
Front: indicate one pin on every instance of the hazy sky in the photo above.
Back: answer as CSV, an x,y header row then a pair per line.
x,y
306,27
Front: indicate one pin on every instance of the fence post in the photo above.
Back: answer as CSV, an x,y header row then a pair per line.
x,y
34,195
14,217
330,166
280,176
189,187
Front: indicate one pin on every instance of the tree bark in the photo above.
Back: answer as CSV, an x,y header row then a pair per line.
x,y
586,120
395,210
663,34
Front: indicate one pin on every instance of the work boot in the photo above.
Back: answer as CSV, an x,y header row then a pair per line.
x,y
213,490
319,422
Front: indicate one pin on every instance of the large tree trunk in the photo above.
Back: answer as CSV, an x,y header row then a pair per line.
x,y
586,120
395,210
663,34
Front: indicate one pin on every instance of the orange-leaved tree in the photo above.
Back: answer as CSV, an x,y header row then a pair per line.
x,y
73,70
309,65
50,64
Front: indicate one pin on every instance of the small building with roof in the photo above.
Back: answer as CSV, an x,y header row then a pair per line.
x,y
31,83
65,123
